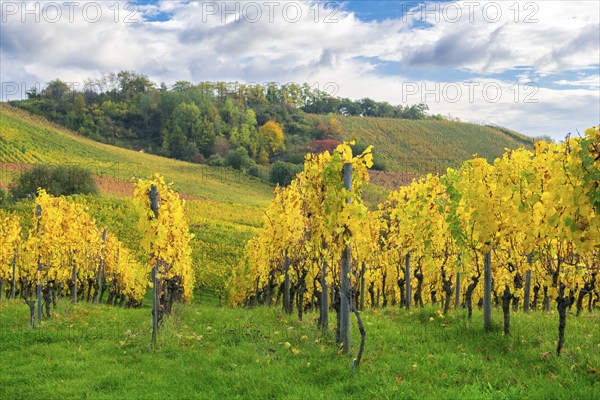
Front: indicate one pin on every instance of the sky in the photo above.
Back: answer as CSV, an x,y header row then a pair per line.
x,y
531,66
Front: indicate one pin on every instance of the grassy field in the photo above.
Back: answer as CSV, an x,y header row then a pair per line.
x,y
205,351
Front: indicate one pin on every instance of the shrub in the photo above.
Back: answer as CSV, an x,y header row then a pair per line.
x,y
296,157
238,158
320,146
3,196
379,165
254,170
263,157
221,146
56,180
216,161
283,173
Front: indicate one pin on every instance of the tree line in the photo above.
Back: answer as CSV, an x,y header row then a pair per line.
x,y
195,122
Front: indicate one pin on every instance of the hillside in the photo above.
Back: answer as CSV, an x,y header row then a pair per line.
x,y
224,207
29,139
407,148
421,146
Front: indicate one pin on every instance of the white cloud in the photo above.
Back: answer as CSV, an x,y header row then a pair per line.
x,y
492,36
198,43
590,81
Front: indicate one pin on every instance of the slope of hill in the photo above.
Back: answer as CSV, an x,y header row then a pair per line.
x,y
29,139
409,148
224,210
416,147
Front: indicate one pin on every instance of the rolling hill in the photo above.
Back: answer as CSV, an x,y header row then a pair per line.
x,y
29,139
417,147
407,148
224,207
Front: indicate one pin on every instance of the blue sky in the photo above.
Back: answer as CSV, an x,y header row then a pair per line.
x,y
533,66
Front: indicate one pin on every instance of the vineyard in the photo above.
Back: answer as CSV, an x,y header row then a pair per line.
x,y
429,146
526,225
133,291
65,251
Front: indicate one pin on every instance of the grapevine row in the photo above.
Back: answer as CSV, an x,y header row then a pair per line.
x,y
523,231
65,253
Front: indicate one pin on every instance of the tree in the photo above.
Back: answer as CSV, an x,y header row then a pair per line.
x,y
282,173
417,111
187,133
270,137
238,158
206,138
55,90
56,96
335,128
132,83
79,103
368,107
61,180
181,130
182,86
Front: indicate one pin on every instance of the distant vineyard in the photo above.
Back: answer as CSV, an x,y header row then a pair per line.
x,y
426,146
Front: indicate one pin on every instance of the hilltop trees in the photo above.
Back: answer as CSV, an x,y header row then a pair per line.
x,y
185,120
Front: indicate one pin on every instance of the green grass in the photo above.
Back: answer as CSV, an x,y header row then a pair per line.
x,y
205,351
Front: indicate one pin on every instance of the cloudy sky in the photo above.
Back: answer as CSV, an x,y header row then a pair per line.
x,y
532,66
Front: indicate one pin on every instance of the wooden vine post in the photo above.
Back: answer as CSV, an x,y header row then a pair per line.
x,y
408,284
363,271
74,277
154,208
527,289
14,274
345,284
98,296
324,315
38,214
287,307
457,293
487,291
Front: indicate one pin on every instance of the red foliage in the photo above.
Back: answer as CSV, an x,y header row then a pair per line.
x,y
320,146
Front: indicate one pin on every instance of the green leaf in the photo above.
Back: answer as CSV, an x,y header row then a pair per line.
x,y
570,223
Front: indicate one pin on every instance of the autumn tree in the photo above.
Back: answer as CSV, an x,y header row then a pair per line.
x,y
270,137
